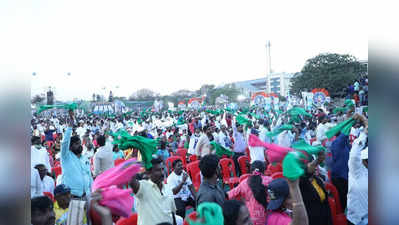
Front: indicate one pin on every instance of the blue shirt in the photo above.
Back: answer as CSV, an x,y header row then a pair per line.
x,y
163,153
49,135
340,149
75,171
118,155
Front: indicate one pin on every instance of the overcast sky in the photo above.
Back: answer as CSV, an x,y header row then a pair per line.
x,y
170,45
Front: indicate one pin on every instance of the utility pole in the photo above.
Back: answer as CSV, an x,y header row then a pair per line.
x,y
268,66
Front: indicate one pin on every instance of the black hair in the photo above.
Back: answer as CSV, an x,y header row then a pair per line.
x,y
164,223
163,145
114,147
256,185
208,165
176,162
40,203
74,139
231,211
34,139
155,161
101,140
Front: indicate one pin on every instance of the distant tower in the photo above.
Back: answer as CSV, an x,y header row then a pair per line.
x,y
50,97
111,97
268,66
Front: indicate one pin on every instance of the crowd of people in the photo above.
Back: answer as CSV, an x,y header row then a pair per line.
x,y
70,152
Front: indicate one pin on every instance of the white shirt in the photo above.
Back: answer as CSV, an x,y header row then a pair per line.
x,y
193,143
80,131
48,184
220,139
174,180
257,153
39,156
357,182
321,132
285,139
262,134
103,160
35,183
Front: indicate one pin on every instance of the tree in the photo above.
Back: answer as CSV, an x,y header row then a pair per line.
x,y
37,99
334,72
144,95
229,90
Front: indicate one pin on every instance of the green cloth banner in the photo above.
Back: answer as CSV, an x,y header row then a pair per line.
x,y
220,150
208,213
71,106
146,146
280,130
343,127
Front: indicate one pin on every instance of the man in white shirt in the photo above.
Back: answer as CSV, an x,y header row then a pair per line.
x,y
39,155
357,205
222,137
103,158
321,129
182,188
203,146
35,184
194,141
47,182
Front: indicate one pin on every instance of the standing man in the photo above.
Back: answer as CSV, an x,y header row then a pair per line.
x,y
75,166
103,158
209,190
240,144
155,203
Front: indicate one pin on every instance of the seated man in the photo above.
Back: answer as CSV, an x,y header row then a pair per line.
x,y
62,195
182,188
47,182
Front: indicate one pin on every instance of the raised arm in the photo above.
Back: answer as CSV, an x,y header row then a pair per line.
x,y
299,214
66,141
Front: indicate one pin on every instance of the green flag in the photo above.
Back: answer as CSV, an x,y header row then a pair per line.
x,y
294,164
242,120
280,130
208,213
302,145
220,150
146,146
343,127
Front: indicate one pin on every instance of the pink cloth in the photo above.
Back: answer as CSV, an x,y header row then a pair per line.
x,y
278,218
256,211
118,200
274,153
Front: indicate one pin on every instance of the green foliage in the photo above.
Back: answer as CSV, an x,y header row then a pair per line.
x,y
229,90
334,72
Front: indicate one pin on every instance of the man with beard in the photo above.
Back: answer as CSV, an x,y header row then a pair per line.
x,y
75,166
155,203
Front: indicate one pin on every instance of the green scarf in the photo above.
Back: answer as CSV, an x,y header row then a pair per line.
x,y
208,213
220,150
242,120
280,130
146,146
343,127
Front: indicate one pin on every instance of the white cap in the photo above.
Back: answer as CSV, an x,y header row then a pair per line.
x,y
364,154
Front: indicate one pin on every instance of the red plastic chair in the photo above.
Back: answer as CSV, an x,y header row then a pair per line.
x,y
118,161
192,216
243,161
197,181
50,195
247,153
182,152
57,170
228,168
132,220
271,169
169,162
333,190
192,158
277,175
245,176
193,169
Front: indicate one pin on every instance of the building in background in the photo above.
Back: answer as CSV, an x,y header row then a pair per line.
x,y
278,83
